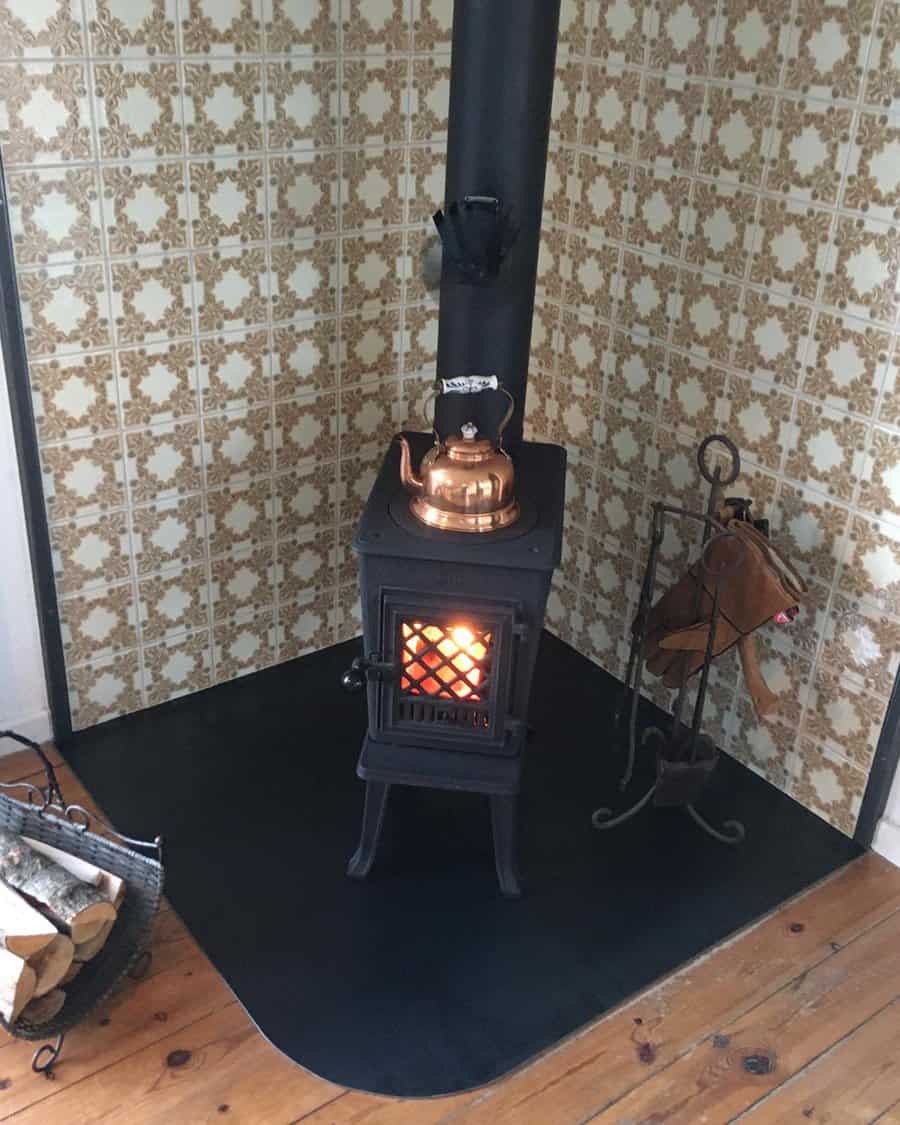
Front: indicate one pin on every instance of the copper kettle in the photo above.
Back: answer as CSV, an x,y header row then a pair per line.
x,y
465,483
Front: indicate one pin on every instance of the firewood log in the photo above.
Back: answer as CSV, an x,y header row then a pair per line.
x,y
43,1008
76,906
52,963
75,865
88,950
17,980
110,886
74,969
23,930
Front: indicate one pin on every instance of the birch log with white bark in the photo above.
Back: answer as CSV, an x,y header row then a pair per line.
x,y
23,930
17,980
77,906
109,885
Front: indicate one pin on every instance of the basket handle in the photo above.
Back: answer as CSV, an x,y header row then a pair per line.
x,y
52,794
50,798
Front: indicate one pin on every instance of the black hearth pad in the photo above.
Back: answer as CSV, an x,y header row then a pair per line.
x,y
422,979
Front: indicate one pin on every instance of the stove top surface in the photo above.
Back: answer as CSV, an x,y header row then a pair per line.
x,y
533,542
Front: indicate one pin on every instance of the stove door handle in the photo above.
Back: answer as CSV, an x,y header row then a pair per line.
x,y
367,668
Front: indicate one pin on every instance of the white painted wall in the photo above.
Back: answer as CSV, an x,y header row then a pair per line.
x,y
887,834
23,692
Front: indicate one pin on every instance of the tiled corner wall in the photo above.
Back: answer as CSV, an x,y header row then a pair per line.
x,y
721,253
217,208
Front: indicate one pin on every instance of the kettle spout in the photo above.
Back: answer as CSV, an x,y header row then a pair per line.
x,y
408,478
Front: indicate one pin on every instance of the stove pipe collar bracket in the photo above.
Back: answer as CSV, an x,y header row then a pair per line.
x,y
476,234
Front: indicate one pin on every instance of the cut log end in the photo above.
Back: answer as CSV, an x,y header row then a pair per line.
x,y
44,1008
88,950
52,964
88,923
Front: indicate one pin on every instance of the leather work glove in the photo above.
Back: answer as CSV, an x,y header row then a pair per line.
x,y
752,590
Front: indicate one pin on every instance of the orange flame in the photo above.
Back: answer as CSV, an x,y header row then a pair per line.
x,y
446,661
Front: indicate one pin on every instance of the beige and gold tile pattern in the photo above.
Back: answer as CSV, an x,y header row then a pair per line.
x,y
721,253
216,209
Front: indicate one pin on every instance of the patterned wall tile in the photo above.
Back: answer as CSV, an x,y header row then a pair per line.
x,y
146,209
304,357
157,383
301,104
601,207
613,114
620,31
228,204
306,624
47,115
177,666
239,515
374,101
152,299
237,445
873,176
791,246
54,215
168,533
827,784
683,38
882,83
751,41
721,228
244,580
83,475
810,530
300,28
232,289
371,270
826,449
73,396
243,646
173,602
424,184
672,109
305,499
138,109
863,269
303,278
131,27
305,430
707,318
846,363
772,338
163,461
429,99
64,309
98,623
54,28
223,107
842,718
90,551
810,150
104,689
212,28
737,133
234,370
828,48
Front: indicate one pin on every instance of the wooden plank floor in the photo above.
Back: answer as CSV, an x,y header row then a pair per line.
x,y
796,1019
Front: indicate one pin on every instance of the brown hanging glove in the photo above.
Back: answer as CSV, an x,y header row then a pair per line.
x,y
754,588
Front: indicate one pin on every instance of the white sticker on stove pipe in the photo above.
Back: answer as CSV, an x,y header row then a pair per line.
x,y
468,384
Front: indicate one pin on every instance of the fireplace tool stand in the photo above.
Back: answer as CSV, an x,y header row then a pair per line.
x,y
685,756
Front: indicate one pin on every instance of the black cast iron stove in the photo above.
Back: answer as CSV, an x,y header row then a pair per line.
x,y
452,620
451,624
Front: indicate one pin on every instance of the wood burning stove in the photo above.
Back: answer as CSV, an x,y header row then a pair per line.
x,y
451,620
451,624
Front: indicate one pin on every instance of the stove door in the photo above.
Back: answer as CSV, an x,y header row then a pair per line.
x,y
454,664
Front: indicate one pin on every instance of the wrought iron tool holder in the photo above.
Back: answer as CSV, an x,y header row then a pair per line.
x,y
685,756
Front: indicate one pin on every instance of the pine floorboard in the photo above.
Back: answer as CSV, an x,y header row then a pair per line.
x,y
796,1018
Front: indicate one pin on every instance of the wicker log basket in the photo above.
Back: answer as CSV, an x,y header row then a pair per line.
x,y
44,815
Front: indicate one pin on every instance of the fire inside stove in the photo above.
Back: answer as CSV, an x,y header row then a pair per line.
x,y
445,661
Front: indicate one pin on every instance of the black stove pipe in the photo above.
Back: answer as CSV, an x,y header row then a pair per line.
x,y
501,88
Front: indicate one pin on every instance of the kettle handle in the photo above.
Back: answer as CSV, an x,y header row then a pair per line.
x,y
471,384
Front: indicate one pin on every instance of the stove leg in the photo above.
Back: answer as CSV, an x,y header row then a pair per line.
x,y
503,822
373,817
